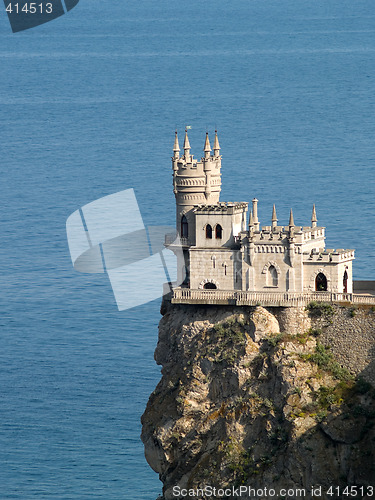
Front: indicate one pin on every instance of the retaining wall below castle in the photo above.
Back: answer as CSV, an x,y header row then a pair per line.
x,y
349,332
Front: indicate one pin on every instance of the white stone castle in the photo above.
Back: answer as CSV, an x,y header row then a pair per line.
x,y
222,250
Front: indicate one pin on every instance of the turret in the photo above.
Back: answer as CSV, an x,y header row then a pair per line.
x,y
291,221
251,221
255,214
207,147
186,147
274,218
216,146
314,219
176,148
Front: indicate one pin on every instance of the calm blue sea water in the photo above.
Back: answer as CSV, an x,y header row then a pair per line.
x,y
88,106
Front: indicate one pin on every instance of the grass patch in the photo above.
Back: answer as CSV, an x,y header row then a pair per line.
x,y
243,464
326,361
226,340
317,309
232,330
275,340
352,312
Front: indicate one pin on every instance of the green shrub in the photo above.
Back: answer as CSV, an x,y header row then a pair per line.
x,y
317,309
326,361
352,312
315,332
276,339
226,339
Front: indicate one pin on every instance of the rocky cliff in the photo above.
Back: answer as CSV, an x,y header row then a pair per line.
x,y
250,396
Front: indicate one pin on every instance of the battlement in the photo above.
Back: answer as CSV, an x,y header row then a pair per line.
x,y
328,255
221,207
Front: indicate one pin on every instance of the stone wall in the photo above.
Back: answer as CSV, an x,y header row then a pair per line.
x,y
350,332
292,320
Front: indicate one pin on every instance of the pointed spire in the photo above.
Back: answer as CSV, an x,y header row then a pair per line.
x,y
216,146
255,214
314,219
187,146
291,219
176,147
274,218
207,147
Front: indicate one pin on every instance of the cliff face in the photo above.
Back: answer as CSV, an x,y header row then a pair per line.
x,y
240,403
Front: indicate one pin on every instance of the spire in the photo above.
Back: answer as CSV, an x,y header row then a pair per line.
x,y
274,218
176,147
207,147
187,146
291,219
314,220
216,146
255,214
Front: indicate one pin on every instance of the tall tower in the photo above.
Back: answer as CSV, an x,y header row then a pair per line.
x,y
194,183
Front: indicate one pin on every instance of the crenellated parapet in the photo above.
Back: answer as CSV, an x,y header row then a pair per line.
x,y
328,255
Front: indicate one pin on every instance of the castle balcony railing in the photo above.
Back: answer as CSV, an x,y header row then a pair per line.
x,y
176,240
268,299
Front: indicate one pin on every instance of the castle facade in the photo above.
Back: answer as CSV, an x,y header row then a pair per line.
x,y
224,249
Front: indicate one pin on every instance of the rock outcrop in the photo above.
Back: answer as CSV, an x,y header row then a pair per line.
x,y
242,401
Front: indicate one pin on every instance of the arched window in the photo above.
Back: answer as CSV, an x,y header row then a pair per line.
x,y
208,232
210,286
345,282
272,276
184,227
321,283
218,232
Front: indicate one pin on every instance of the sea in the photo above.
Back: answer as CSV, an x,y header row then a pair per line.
x,y
88,106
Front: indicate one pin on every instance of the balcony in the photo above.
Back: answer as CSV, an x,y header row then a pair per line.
x,y
267,299
173,239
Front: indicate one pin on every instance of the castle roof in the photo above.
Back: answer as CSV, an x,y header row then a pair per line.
x,y
220,207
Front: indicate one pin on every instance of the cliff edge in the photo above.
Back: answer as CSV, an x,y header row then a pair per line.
x,y
272,398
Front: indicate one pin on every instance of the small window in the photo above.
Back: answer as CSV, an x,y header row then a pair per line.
x,y
209,232
225,268
218,232
272,276
184,227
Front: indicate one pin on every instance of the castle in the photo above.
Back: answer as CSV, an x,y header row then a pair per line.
x,y
223,249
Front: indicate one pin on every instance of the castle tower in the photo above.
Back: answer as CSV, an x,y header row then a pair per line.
x,y
194,183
